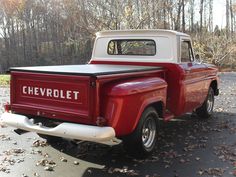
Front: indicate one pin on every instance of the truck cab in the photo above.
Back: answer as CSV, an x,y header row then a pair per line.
x,y
187,78
134,79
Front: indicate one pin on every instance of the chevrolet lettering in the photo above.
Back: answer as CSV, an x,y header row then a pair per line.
x,y
134,80
51,93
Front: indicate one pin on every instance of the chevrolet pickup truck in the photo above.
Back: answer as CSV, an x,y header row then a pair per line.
x,y
134,80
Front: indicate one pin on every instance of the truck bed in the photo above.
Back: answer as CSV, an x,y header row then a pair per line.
x,y
63,92
86,70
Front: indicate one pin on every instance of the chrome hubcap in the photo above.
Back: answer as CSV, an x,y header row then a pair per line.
x,y
210,102
149,132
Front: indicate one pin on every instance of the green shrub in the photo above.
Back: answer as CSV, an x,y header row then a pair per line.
x,y
4,80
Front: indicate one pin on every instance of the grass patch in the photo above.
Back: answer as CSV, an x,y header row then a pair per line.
x,y
4,80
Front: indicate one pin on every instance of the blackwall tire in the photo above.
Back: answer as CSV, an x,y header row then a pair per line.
x,y
142,141
206,110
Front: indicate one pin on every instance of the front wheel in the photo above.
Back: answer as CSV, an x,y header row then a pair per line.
x,y
142,141
206,110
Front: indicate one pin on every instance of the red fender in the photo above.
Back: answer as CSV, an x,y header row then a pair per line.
x,y
127,99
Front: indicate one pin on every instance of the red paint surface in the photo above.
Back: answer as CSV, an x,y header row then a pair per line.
x,y
80,110
126,100
188,83
120,98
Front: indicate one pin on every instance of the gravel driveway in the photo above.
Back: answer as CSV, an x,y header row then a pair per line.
x,y
188,148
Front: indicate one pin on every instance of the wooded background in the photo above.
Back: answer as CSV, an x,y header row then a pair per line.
x,y
49,32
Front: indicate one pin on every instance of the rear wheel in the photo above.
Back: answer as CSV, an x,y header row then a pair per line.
x,y
206,110
142,141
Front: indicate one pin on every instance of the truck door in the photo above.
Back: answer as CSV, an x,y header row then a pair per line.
x,y
194,80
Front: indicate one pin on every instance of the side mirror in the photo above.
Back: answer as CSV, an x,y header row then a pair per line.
x,y
198,59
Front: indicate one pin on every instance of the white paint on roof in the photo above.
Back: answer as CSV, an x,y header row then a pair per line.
x,y
142,32
167,45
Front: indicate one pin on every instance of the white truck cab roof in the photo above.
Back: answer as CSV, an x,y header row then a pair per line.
x,y
142,32
167,45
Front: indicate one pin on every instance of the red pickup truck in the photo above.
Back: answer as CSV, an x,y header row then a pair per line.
x,y
134,79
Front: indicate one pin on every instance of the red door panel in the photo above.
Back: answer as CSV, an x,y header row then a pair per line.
x,y
196,85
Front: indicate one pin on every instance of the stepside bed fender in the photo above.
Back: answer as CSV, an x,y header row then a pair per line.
x,y
125,100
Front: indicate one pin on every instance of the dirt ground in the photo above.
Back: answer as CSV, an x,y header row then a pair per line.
x,y
188,148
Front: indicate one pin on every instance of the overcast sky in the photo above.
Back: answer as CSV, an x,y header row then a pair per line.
x,y
219,13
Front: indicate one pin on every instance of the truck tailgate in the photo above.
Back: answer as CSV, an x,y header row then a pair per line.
x,y
53,96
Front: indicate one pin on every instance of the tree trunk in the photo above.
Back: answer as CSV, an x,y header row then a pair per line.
x,y
231,17
227,19
183,16
192,3
177,23
210,15
201,14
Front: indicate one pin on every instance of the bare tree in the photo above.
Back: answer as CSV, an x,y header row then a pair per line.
x,y
201,14
210,15
48,32
183,15
227,18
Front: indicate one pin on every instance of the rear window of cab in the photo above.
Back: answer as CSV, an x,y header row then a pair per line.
x,y
143,47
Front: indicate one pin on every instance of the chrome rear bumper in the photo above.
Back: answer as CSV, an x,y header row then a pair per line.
x,y
104,135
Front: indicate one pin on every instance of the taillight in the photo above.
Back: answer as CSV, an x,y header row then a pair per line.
x,y
7,107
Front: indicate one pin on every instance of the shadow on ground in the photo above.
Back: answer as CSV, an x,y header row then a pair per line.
x,y
191,147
